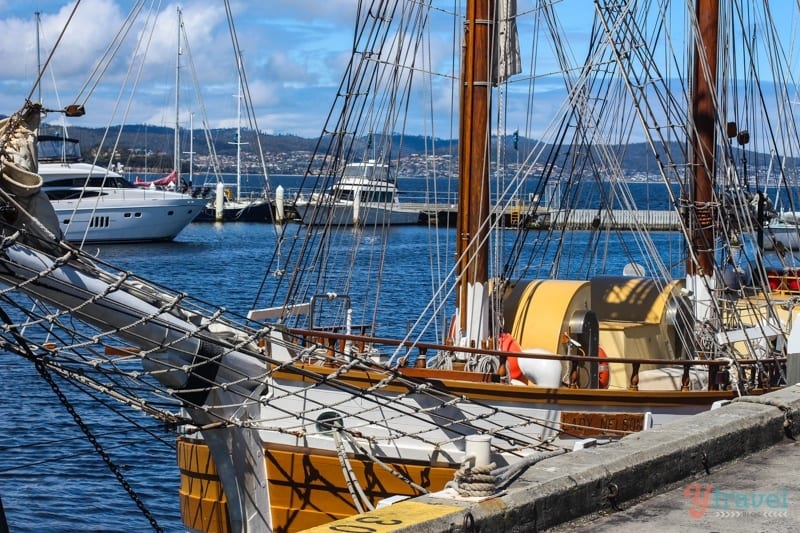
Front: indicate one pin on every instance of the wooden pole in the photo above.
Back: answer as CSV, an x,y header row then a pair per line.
x,y
703,138
474,147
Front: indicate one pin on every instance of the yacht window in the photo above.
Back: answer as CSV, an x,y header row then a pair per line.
x,y
345,195
71,194
377,197
99,222
57,148
94,181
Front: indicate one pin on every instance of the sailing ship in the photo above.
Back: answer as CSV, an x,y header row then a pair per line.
x,y
366,194
355,418
303,412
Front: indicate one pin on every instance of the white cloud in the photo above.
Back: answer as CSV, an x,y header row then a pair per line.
x,y
294,51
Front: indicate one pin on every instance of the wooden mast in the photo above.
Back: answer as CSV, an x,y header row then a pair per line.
x,y
473,202
703,137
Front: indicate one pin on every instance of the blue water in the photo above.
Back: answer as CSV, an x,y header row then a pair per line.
x,y
50,476
51,479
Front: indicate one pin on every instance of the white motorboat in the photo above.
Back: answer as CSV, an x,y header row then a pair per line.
x,y
783,233
97,205
365,195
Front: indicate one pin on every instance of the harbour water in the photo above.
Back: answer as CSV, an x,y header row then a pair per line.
x,y
52,478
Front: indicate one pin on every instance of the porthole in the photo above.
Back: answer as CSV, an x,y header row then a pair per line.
x,y
328,421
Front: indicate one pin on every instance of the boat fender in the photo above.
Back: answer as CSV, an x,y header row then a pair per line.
x,y
603,370
279,204
541,372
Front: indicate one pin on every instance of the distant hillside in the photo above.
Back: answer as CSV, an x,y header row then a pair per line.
x,y
150,147
158,139
144,145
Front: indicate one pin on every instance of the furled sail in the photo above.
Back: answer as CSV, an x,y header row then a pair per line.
x,y
507,57
21,185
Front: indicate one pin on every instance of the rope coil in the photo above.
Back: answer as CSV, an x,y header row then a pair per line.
x,y
487,480
474,481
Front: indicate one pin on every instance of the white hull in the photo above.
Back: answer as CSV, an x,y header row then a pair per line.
x,y
365,195
342,215
127,215
408,438
782,236
95,205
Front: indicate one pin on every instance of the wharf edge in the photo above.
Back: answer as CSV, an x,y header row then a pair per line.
x,y
581,483
520,216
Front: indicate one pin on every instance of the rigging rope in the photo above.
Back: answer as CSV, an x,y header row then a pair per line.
x,y
52,51
388,468
360,499
41,367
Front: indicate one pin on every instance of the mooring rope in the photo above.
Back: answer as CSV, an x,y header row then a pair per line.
x,y
487,480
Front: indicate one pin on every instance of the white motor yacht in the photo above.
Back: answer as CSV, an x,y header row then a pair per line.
x,y
97,205
365,195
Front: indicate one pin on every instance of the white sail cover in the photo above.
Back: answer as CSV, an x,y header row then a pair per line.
x,y
507,58
20,183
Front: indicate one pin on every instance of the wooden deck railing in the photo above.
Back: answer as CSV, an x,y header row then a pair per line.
x,y
334,342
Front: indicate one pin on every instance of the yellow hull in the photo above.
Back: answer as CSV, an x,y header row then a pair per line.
x,y
307,487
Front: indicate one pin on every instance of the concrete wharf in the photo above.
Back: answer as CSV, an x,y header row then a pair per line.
x,y
574,219
760,492
697,468
522,215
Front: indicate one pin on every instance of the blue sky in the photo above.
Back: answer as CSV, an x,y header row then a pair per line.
x,y
294,52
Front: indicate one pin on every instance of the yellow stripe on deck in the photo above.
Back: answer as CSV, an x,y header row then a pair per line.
x,y
389,518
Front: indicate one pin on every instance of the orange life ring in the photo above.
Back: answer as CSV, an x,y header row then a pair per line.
x,y
603,370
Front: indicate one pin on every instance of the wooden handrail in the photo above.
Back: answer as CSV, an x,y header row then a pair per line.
x,y
298,332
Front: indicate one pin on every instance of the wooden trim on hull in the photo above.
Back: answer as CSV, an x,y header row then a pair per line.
x,y
485,390
307,486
